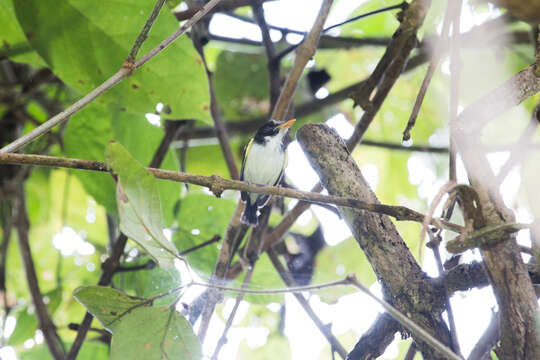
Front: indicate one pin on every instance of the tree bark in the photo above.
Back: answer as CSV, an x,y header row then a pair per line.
x,y
404,283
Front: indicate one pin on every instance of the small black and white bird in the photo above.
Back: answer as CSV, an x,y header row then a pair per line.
x,y
264,160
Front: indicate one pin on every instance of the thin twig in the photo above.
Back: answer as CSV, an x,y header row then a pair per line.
x,y
283,53
144,32
482,349
434,244
273,66
221,129
436,57
455,70
303,55
405,321
223,339
289,281
53,341
214,239
218,184
124,72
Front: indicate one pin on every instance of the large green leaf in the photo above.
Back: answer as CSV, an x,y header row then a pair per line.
x,y
88,133
85,44
200,217
27,323
13,43
383,24
149,282
86,136
155,333
139,205
106,304
242,84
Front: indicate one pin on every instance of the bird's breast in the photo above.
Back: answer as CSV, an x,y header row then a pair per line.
x,y
264,163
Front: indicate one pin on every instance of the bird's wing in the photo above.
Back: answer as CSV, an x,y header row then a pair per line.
x,y
285,161
244,156
244,194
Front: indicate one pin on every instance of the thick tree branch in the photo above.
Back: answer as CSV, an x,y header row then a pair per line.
x,y
390,258
374,342
124,72
507,273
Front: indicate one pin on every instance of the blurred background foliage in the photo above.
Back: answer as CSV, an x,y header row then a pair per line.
x,y
48,62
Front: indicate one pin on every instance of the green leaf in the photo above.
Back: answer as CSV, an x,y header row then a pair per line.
x,y
142,139
251,97
154,333
139,205
106,304
13,43
89,351
85,44
335,262
87,134
383,24
149,282
27,324
200,217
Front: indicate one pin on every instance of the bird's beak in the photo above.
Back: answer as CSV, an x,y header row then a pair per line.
x,y
287,124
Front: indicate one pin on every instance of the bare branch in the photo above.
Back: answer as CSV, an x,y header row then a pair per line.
x,y
221,130
218,184
374,342
144,32
406,322
223,339
289,281
303,55
54,343
450,9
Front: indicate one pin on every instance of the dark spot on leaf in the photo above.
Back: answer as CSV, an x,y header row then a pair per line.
x,y
152,92
80,82
134,86
123,109
205,107
29,35
113,313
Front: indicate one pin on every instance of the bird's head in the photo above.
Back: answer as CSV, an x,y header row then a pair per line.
x,y
273,128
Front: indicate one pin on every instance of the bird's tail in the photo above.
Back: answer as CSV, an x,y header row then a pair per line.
x,y
249,216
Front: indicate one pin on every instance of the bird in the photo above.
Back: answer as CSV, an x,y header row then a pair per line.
x,y
263,163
